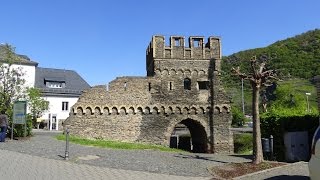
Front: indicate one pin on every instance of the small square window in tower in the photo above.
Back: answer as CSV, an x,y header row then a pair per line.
x,y
187,84
203,85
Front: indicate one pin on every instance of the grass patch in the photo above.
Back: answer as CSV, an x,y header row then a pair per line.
x,y
115,144
243,143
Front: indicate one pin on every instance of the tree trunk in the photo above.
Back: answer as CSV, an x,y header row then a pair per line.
x,y
257,146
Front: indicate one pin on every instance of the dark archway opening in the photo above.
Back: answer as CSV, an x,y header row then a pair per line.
x,y
189,135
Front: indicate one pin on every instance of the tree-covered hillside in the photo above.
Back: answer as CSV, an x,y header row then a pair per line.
x,y
296,60
297,57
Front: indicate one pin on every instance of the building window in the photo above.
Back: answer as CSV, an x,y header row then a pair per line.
x,y
170,86
203,85
55,84
149,86
65,106
187,84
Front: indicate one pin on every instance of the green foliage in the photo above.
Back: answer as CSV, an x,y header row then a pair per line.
x,y
277,125
238,117
291,98
243,143
297,57
11,85
18,130
282,104
115,144
293,58
36,104
11,81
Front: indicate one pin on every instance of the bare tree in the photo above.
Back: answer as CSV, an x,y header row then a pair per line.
x,y
259,78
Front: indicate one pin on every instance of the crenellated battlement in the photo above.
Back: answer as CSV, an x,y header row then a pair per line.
x,y
197,48
178,54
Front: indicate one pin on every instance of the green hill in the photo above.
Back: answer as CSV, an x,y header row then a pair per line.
x,y
298,56
293,58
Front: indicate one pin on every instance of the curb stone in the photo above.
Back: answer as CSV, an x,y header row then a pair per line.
x,y
267,170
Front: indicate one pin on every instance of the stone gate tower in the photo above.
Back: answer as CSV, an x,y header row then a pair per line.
x,y
182,86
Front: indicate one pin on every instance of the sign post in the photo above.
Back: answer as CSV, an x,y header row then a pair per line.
x,y
19,115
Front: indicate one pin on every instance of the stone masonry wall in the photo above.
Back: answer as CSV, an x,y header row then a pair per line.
x,y
182,86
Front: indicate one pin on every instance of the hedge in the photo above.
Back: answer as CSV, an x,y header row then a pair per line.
x,y
277,126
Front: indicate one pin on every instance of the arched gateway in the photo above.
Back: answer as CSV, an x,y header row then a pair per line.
x,y
189,135
182,90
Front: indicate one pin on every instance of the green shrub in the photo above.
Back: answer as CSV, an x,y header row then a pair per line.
x,y
18,130
242,142
238,117
277,125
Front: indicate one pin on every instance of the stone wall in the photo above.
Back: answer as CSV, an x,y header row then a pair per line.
x,y
182,86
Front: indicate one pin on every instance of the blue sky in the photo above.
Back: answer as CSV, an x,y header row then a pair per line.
x,y
103,39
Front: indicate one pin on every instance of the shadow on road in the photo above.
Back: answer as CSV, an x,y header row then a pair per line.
x,y
184,156
242,156
289,177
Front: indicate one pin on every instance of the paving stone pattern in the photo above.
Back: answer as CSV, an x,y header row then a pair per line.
x,y
44,144
24,166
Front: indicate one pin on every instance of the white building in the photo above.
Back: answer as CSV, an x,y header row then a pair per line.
x,y
60,87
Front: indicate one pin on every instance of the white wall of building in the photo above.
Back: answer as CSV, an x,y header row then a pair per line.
x,y
29,74
55,107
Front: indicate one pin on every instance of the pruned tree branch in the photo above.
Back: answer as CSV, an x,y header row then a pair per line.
x,y
259,78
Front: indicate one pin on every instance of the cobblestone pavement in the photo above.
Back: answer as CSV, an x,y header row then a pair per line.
x,y
41,157
23,166
44,145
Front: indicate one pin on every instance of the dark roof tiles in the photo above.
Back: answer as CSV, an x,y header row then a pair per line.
x,y
74,83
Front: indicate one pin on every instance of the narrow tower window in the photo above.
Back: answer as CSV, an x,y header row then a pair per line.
x,y
170,85
149,86
187,84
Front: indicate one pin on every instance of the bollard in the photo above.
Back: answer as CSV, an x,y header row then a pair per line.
x,y
271,147
66,155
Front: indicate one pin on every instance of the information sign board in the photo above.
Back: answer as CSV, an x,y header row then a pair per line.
x,y
19,112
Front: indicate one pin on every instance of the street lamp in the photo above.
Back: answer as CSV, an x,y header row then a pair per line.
x,y
308,106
